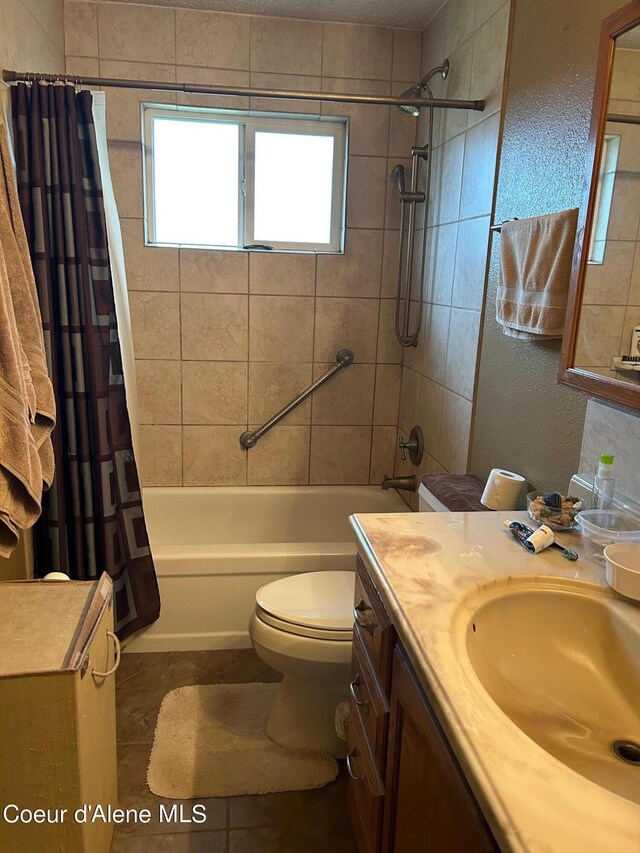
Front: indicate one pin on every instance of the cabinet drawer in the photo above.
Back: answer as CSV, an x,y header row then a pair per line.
x,y
368,701
365,789
374,627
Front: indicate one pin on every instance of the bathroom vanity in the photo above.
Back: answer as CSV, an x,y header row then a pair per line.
x,y
440,747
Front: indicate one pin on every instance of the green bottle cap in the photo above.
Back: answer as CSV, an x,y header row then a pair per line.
x,y
607,459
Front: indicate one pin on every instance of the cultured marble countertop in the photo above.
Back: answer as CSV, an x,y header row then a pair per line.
x,y
424,565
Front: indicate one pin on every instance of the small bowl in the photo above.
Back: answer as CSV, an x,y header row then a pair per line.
x,y
554,516
623,568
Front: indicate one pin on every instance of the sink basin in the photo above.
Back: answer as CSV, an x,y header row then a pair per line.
x,y
562,661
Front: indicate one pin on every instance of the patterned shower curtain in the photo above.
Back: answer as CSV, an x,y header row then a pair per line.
x,y
92,518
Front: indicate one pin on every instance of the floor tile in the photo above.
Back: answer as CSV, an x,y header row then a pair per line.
x,y
197,842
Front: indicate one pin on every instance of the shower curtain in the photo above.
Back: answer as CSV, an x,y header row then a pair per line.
x,y
92,517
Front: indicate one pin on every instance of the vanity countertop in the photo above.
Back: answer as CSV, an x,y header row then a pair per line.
x,y
424,565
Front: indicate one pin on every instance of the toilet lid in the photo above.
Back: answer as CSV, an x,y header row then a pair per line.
x,y
314,599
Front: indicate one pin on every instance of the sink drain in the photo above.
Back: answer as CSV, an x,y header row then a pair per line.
x,y
627,750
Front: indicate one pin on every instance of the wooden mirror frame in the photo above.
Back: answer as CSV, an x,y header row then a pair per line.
x,y
613,390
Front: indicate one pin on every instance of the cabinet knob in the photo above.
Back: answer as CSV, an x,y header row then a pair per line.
x,y
367,624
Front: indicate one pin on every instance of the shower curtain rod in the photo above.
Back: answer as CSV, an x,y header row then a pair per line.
x,y
200,89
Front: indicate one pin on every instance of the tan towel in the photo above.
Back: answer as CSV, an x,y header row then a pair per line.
x,y
535,269
27,405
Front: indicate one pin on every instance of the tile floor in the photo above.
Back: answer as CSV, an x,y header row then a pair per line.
x,y
296,822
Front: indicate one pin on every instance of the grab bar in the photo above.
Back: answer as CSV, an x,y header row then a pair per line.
x,y
249,439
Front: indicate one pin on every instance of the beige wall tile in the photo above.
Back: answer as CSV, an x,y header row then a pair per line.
x,y
489,56
214,392
282,273
599,335
83,66
455,433
289,82
272,386
281,328
141,33
486,8
213,456
346,323
160,462
159,392
631,320
446,181
634,290
135,70
347,398
147,267
460,19
340,455
126,173
462,352
390,264
389,350
286,46
409,398
624,217
155,322
436,338
366,187
357,272
213,77
481,148
368,125
387,397
407,53
124,111
442,243
211,271
281,457
383,448
352,50
433,41
80,28
608,283
471,262
457,85
214,326
212,39
430,405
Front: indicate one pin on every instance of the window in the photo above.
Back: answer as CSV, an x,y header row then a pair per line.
x,y
230,180
604,198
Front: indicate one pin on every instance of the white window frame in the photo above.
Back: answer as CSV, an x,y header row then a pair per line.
x,y
250,122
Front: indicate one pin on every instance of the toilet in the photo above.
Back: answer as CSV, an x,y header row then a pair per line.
x,y
302,626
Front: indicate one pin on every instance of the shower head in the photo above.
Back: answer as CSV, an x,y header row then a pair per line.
x,y
423,86
398,174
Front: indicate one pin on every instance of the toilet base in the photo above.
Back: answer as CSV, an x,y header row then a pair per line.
x,y
303,716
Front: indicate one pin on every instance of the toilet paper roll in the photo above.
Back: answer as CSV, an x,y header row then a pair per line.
x,y
502,490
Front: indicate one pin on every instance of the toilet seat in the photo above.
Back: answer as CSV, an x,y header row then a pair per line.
x,y
315,604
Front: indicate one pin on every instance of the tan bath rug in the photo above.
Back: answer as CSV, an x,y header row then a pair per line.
x,y
211,741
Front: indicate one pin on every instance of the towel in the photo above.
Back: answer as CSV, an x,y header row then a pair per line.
x,y
27,403
458,492
535,269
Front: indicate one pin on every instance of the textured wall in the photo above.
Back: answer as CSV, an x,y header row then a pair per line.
x,y
608,429
224,339
524,420
438,376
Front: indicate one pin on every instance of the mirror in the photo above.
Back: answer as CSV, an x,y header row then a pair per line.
x,y
601,344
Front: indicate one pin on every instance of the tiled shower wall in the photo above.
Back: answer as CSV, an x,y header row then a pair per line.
x,y
611,302
223,339
438,377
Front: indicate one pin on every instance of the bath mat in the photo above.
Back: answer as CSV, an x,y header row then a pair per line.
x,y
211,741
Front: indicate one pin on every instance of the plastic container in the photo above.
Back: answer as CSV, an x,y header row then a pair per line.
x,y
623,568
604,483
602,527
555,518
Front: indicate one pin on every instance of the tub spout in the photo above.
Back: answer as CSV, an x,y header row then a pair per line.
x,y
408,483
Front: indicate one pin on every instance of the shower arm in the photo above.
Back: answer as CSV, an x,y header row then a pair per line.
x,y
250,438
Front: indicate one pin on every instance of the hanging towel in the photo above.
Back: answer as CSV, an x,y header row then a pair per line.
x,y
535,269
27,405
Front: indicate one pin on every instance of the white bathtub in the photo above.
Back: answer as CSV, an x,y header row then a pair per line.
x,y
215,547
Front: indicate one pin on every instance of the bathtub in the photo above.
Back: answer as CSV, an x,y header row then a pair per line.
x,y
215,547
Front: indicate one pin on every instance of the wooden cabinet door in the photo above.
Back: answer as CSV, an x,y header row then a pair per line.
x,y
429,806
